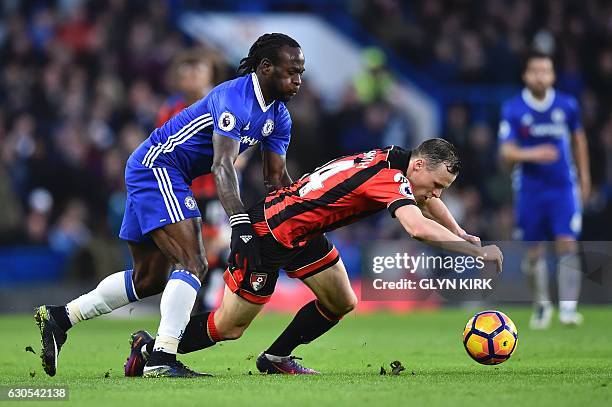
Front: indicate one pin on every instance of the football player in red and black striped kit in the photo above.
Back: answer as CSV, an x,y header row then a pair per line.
x,y
291,223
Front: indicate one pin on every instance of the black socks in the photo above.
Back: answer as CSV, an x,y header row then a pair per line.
x,y
160,358
198,334
311,321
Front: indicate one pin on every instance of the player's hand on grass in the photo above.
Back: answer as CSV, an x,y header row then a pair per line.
x,y
544,154
244,247
493,253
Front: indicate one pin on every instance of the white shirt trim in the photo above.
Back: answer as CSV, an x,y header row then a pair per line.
x,y
258,94
538,105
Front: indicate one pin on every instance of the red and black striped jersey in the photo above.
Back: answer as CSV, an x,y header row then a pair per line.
x,y
339,193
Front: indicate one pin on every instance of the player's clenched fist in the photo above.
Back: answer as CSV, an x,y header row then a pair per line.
x,y
544,153
244,248
493,253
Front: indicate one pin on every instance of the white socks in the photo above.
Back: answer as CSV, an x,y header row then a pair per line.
x,y
113,292
537,275
569,278
118,290
176,304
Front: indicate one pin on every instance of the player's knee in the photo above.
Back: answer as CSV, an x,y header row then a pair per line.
x,y
198,265
343,305
147,283
564,247
349,304
535,254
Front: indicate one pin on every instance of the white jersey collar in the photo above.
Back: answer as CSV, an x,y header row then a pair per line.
x,y
538,105
258,94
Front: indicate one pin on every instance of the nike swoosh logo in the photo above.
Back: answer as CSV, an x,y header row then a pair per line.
x,y
55,353
156,370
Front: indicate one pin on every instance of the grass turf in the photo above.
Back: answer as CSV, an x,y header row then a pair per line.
x,y
560,366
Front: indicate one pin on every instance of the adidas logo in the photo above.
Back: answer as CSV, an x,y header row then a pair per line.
x,y
246,238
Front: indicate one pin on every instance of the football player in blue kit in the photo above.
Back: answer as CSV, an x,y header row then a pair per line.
x,y
541,134
162,223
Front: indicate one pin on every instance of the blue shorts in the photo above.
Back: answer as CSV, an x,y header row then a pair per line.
x,y
156,197
547,215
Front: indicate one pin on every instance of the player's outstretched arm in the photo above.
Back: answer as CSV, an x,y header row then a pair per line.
x,y
244,249
540,154
275,171
437,210
431,232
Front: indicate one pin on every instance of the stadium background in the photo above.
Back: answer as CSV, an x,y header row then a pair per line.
x,y
82,83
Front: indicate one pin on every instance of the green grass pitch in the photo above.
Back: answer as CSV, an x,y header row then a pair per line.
x,y
560,366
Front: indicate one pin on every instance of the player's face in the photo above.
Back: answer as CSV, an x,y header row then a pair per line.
x,y
194,79
287,73
539,75
427,183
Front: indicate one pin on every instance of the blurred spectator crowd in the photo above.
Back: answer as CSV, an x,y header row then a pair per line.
x,y
82,82
81,85
461,42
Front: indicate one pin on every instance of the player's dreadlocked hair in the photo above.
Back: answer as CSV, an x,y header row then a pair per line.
x,y
266,46
437,151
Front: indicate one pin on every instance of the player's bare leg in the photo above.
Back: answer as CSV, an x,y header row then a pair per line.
x,y
148,277
333,289
569,278
335,298
228,322
536,272
234,315
151,269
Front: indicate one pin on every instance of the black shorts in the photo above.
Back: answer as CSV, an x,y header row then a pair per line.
x,y
257,286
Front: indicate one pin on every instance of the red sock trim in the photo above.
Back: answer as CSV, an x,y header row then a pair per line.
x,y
212,329
327,314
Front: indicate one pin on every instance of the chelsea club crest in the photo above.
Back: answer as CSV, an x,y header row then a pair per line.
x,y
268,128
190,202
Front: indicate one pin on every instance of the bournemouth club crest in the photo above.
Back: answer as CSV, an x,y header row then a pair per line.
x,y
258,280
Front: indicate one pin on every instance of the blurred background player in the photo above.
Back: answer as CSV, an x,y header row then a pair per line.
x,y
542,135
191,76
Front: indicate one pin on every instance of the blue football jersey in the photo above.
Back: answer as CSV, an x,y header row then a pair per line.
x,y
528,122
234,109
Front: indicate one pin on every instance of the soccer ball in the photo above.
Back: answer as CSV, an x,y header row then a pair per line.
x,y
490,337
